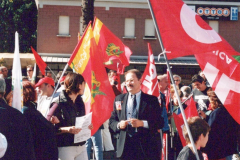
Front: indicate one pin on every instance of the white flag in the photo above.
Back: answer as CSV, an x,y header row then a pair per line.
x,y
33,80
17,101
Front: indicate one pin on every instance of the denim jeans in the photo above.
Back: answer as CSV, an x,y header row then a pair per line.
x,y
96,142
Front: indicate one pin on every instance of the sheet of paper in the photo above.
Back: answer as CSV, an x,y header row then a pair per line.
x,y
83,123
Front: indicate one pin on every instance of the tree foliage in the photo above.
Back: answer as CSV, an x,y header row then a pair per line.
x,y
20,16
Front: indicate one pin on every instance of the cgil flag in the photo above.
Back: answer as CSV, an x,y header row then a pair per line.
x,y
41,64
183,32
116,55
17,100
149,77
222,72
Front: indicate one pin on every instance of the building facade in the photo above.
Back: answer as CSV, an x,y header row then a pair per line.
x,y
60,21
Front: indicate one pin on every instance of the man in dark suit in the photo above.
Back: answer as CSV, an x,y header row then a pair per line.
x,y
136,119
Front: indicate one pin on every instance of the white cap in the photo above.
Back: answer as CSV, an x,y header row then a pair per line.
x,y
3,145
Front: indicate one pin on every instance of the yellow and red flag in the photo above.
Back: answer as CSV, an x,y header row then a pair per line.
x,y
116,55
80,62
99,95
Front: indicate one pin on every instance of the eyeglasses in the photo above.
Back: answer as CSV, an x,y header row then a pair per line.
x,y
4,70
176,80
29,70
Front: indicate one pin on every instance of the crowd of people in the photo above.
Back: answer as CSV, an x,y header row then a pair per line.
x,y
46,127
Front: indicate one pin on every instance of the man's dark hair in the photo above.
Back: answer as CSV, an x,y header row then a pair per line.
x,y
197,127
197,78
135,71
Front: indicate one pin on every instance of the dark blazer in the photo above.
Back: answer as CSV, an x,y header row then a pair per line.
x,y
43,133
15,127
149,110
222,139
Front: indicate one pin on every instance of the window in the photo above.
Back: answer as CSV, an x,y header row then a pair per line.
x,y
81,25
149,28
64,25
129,31
214,25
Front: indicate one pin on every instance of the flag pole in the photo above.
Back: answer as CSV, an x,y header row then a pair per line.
x,y
174,85
55,89
52,72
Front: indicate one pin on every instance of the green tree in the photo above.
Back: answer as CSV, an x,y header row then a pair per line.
x,y
20,16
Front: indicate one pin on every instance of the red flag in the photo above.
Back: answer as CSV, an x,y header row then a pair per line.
x,y
41,64
222,72
115,54
183,32
164,146
98,93
80,62
101,90
149,77
190,111
168,96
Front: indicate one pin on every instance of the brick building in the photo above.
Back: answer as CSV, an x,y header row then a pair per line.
x,y
59,22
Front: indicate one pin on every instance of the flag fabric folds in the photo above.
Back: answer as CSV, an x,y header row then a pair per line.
x,y
99,95
190,111
183,32
80,62
116,55
149,77
41,64
17,100
222,73
101,91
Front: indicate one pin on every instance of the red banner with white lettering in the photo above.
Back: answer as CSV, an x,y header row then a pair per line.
x,y
183,32
222,72
149,77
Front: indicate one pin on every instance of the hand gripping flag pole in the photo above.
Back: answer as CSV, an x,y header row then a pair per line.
x,y
171,76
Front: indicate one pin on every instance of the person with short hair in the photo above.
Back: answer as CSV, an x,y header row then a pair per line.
x,y
177,80
30,69
49,74
46,89
200,131
200,93
136,119
200,73
8,80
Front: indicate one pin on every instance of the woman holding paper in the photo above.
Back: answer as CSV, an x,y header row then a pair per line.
x,y
70,106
